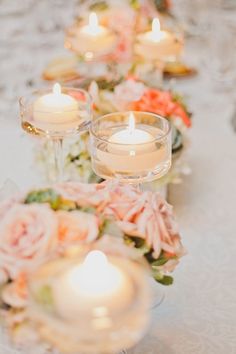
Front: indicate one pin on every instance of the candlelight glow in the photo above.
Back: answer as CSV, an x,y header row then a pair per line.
x,y
131,126
56,89
93,28
156,26
156,34
95,276
93,20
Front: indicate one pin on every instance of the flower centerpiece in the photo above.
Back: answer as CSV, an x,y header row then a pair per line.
x,y
45,224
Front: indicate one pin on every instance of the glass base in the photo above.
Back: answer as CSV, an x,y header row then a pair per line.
x,y
158,294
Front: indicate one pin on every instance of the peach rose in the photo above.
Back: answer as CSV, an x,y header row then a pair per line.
x,y
81,193
146,215
77,226
161,102
27,236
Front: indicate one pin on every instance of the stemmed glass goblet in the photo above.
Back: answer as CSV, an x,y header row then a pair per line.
x,y
56,115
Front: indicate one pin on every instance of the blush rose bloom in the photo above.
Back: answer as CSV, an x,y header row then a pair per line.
x,y
146,215
77,226
28,234
85,195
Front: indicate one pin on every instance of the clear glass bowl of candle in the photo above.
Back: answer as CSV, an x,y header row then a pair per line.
x,y
133,147
90,40
93,303
55,114
159,44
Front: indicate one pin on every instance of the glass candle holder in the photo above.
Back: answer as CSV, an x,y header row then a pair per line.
x,y
83,313
91,41
54,115
132,147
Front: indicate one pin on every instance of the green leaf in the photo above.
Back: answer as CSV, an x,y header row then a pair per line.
x,y
137,242
161,278
159,262
166,280
44,196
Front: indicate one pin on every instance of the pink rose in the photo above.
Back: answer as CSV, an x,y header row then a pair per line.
x,y
146,215
27,235
81,193
77,226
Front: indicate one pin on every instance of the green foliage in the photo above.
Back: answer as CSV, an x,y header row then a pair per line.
x,y
157,272
137,242
44,196
51,197
166,280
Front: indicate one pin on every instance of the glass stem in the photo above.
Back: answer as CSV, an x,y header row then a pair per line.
x,y
59,159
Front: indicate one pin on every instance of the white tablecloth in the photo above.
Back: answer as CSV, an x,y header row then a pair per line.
x,y
198,315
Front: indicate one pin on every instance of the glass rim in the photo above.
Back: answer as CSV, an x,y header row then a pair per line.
x,y
24,104
106,140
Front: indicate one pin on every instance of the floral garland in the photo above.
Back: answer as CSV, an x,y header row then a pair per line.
x,y
44,224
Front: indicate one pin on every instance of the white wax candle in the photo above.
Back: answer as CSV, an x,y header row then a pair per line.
x,y
93,38
95,285
93,29
133,150
55,108
157,43
130,139
131,135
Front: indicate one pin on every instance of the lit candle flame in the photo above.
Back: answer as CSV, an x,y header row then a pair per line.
x,y
56,89
95,260
95,276
131,126
156,27
93,21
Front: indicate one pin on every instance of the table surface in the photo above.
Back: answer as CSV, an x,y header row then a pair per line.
x,y
198,315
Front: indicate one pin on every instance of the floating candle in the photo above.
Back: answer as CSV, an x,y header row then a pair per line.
x,y
55,107
94,285
93,39
131,135
133,150
158,44
93,29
